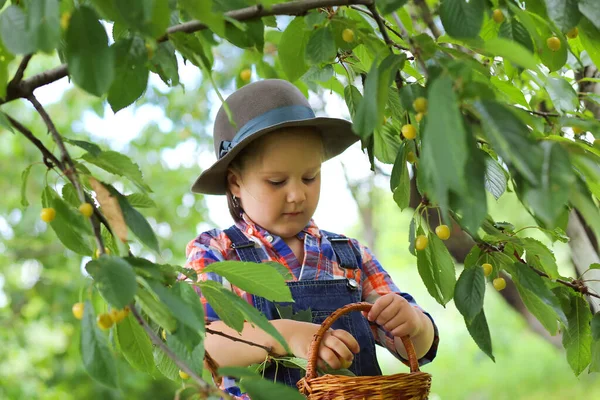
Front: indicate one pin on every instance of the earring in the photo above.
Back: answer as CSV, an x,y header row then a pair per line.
x,y
235,201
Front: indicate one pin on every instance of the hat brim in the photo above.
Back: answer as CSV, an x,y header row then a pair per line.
x,y
336,133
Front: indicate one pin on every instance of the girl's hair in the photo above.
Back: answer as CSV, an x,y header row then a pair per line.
x,y
250,152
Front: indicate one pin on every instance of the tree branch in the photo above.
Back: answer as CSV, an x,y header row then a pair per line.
x,y
235,339
413,49
388,41
29,135
206,388
21,70
299,7
428,18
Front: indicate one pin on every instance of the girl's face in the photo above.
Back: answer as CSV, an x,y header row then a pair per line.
x,y
279,187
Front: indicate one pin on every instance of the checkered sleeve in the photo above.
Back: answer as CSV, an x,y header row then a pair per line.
x,y
376,282
201,252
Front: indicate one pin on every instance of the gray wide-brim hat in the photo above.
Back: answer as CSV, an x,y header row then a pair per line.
x,y
258,109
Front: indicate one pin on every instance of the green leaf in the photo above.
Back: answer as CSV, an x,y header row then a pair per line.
x,y
234,311
320,47
97,358
544,313
90,60
388,6
595,324
137,223
188,346
548,198
13,30
444,151
509,91
436,269
400,180
510,138
4,122
577,337
43,21
595,266
512,51
462,19
118,164
564,13
135,344
524,276
562,94
387,141
164,63
262,389
165,365
24,176
257,278
155,309
538,254
591,9
291,51
183,303
352,97
495,177
148,17
92,148
216,296
411,237
584,203
469,293
131,73
140,200
478,328
71,217
69,194
589,36
114,278
595,363
203,10
514,30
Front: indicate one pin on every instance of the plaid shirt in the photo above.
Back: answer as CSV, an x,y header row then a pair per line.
x,y
320,262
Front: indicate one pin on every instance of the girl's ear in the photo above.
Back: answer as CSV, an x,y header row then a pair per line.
x,y
233,182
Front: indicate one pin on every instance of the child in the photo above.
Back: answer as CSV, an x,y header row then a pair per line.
x,y
269,168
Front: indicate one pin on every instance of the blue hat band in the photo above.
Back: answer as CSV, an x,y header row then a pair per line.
x,y
270,118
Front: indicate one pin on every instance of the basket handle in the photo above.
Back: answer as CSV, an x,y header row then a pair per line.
x,y
313,352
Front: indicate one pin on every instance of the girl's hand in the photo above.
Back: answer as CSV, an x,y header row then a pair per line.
x,y
396,315
337,347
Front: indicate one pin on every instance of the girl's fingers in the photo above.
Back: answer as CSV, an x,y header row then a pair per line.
x,y
330,357
379,306
394,322
339,347
349,340
387,314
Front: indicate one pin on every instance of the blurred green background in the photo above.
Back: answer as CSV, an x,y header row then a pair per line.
x,y
40,280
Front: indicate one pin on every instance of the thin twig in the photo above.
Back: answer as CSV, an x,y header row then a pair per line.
x,y
268,349
69,168
37,143
205,386
20,71
540,113
387,25
388,41
413,48
427,17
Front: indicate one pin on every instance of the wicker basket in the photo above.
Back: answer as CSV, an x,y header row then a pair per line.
x,y
403,386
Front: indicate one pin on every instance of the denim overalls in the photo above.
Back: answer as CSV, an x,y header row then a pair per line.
x,y
323,297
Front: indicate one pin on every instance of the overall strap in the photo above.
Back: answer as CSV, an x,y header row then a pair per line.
x,y
244,247
344,250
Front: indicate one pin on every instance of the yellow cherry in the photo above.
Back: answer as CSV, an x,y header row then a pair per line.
x,y
48,214
487,269
78,310
164,335
409,131
346,364
421,242
499,283
348,35
553,43
443,232
411,158
245,74
498,16
573,33
86,209
420,105
577,130
183,375
64,20
97,252
104,321
419,116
